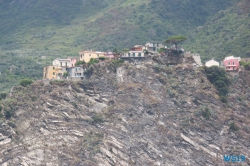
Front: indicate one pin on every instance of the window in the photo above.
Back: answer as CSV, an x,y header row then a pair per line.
x,y
66,63
139,54
61,63
157,44
233,63
133,54
89,54
98,55
128,54
53,73
228,63
76,69
53,68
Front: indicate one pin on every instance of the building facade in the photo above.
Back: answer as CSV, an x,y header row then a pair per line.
x,y
154,47
75,73
109,55
72,61
61,62
232,63
52,72
136,52
212,62
87,55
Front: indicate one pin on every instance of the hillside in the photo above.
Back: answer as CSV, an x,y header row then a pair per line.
x,y
68,26
127,114
30,29
227,33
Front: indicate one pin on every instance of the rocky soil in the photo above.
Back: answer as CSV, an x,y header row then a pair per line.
x,y
142,114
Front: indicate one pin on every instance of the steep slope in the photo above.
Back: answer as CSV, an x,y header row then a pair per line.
x,y
227,33
141,113
67,26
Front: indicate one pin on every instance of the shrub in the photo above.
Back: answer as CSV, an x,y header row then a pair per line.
x,y
218,77
3,96
206,113
26,82
78,63
93,61
1,108
1,115
233,126
97,118
223,99
102,58
8,113
65,74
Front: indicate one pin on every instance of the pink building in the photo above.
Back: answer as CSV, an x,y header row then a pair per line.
x,y
109,55
72,61
232,63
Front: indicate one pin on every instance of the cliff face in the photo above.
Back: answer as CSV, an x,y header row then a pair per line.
x,y
141,113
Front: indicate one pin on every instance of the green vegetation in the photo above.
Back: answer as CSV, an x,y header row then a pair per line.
x,y
98,118
65,74
79,63
225,33
206,113
233,126
2,96
246,65
26,82
218,77
93,61
102,58
61,29
175,40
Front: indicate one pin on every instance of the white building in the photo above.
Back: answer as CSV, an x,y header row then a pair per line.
x,y
61,62
154,47
212,62
136,51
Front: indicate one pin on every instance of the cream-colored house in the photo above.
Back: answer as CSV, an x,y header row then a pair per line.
x,y
212,62
87,55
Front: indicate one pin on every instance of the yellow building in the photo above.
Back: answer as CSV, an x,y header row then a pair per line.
x,y
52,72
87,55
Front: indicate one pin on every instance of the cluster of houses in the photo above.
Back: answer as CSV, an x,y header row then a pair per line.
x,y
230,63
67,69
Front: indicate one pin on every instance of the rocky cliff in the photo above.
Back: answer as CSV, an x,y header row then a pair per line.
x,y
141,113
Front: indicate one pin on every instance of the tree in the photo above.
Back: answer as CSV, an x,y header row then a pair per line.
x,y
65,74
26,82
175,40
78,63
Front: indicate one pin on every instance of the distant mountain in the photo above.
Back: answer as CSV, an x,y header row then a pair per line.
x,y
67,26
227,33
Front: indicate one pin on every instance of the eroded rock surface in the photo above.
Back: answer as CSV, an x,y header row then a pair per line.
x,y
141,114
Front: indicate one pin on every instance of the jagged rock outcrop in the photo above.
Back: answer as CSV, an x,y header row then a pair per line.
x,y
142,114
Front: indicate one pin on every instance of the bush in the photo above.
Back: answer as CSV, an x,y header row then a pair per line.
x,y
93,61
1,108
233,126
218,77
97,118
78,63
102,58
3,96
26,82
8,113
65,74
206,114
223,99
